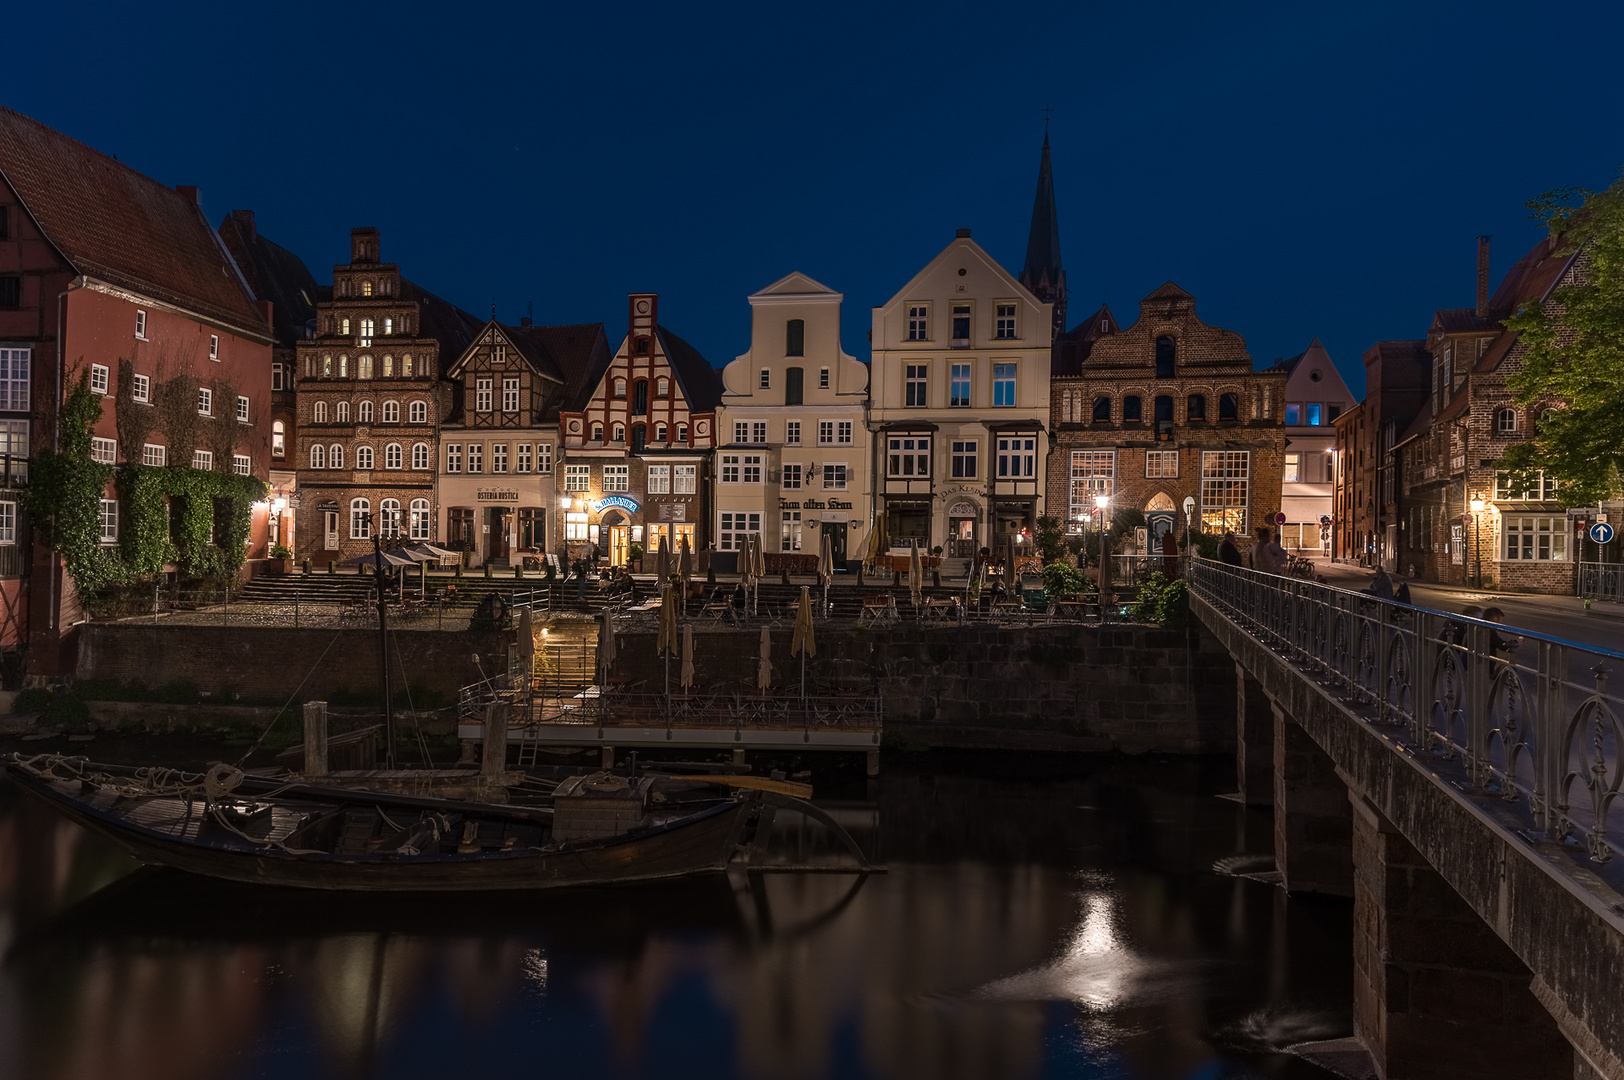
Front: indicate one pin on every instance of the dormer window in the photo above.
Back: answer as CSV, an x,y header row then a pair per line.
x,y
597,433
620,389
620,433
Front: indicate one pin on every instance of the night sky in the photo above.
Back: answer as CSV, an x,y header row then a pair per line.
x,y
1302,169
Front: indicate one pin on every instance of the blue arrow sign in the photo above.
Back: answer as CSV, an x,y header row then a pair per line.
x,y
1601,532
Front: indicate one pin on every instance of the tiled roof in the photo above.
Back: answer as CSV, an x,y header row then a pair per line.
x,y
1072,347
573,353
276,274
112,223
701,383
443,321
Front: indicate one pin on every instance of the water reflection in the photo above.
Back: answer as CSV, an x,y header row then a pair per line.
x,y
1027,928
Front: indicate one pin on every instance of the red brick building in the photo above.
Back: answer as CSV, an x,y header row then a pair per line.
x,y
1368,520
109,274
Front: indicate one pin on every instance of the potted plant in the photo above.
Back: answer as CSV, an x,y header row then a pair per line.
x,y
281,559
634,555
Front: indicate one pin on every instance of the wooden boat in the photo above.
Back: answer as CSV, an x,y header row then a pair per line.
x,y
601,829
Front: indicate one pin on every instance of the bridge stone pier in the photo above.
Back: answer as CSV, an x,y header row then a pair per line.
x,y
1485,944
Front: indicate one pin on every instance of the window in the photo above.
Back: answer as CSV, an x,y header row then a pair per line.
x,y
1005,324
510,394
544,458
574,524
823,378
919,323
682,433
418,412
421,520
392,456
620,433
420,455
908,456
1311,414
1332,411
834,477
1294,469
792,432
741,468
734,528
1017,458
1132,410
388,328
577,478
109,521
363,366
684,479
640,346
597,433
360,519
958,386
1225,490
335,456
11,286
741,431
344,327
98,379
363,457
1505,422
241,464
1542,538
1093,472
203,459
14,448
318,413
766,382
155,455
792,477
1161,464
367,326
843,433
1164,409
366,290
1229,406
279,377
406,362
8,521
214,347
662,387
482,395
389,517
794,339
1541,488
659,480
826,432
453,457
758,431
391,412
341,412
793,386
476,454
660,433
617,478
789,533
914,385
1195,407
965,456
104,451
961,326
318,456
363,412
620,389
205,401
1166,355
1102,410
521,457
14,379
141,324
1294,414
499,458
640,398
242,410
343,366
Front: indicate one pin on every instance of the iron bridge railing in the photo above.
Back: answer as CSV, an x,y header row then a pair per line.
x,y
1528,717
1602,581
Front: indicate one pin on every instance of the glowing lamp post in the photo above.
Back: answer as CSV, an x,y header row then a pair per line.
x,y
1477,504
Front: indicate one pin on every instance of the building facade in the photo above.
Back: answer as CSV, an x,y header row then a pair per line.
x,y
1166,410
638,442
794,465
369,402
959,405
1368,525
1315,396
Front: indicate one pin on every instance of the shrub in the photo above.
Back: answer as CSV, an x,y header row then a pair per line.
x,y
1063,579
281,551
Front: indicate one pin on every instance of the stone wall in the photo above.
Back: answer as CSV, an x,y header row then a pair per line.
x,y
1047,687
271,664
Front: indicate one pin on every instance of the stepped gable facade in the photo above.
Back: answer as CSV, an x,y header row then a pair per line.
x,y
1167,409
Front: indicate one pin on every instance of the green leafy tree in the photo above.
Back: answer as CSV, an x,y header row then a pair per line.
x,y
1573,363
1050,540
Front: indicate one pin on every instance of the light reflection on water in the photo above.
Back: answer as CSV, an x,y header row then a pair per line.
x,y
1014,936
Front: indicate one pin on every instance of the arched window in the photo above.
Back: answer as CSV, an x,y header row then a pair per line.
x,y
366,288
662,387
1102,410
795,338
388,364
366,330
421,520
418,411
360,519
1166,353
318,456
327,366
1196,407
406,366
391,456
640,347
344,327
620,388
597,433
1505,422
343,365
639,435
363,367
335,456
341,412
1164,408
388,328
620,433
363,457
420,455
682,433
1130,409
318,413
660,433
279,439
363,413
1228,407
389,517
391,412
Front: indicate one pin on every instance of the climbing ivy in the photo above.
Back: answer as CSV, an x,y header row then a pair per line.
x,y
64,495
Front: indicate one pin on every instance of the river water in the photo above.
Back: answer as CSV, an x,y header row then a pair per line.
x,y
1037,919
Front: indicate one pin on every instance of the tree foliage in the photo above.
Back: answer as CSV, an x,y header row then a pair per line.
x,y
1573,360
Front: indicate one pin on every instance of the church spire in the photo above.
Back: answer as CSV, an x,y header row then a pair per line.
x,y
1043,274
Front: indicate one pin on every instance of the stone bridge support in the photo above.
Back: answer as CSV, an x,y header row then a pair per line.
x,y
1254,741
1313,824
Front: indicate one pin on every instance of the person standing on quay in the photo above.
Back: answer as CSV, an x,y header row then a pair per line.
x,y
1228,552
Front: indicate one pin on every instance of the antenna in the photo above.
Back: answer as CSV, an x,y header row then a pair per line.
x,y
1046,111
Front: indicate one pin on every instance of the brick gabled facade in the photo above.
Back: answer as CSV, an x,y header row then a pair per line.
x,y
1156,405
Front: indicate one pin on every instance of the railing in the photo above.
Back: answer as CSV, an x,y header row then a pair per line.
x,y
1602,581
1524,716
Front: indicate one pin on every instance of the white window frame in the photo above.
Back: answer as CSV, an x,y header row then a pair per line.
x,y
214,347
915,386
823,378
684,479
659,480
1004,385
363,412
141,389
154,454
108,513
1544,538
8,521
1093,473
826,432
1543,489
482,394
360,519
499,457
421,456
419,412
960,374
835,476
393,456
205,401
791,476
341,412
741,431
766,382
1226,489
905,454
1004,322
476,457
99,379
140,324
453,457
758,431
335,456
792,433
544,459
104,450
242,464
364,458
1163,459
918,322
789,531
390,413
577,478
575,524
203,460
617,478
732,526
318,456
242,409
510,393
15,366
1017,457
422,520
521,457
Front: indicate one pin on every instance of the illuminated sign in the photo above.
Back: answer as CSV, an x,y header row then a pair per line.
x,y
620,501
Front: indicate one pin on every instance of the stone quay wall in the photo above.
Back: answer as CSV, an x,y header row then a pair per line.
x,y
1047,687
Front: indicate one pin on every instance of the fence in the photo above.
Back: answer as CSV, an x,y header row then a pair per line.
x,y
1525,716
1602,581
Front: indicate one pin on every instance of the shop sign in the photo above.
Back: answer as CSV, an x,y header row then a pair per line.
x,y
673,511
496,495
815,504
620,501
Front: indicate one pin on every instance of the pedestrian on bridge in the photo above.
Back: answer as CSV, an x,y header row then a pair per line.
x,y
1228,552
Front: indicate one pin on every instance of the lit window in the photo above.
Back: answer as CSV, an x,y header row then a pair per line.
x,y
14,365
366,336
734,528
575,526
1294,469
1162,464
790,531
98,379
1093,473
406,368
1294,414
1539,538
616,478
577,478
388,366
1540,488
363,366
8,521
279,439
1225,490
421,520
153,454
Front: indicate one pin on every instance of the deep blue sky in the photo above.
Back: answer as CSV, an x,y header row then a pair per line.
x,y
1303,169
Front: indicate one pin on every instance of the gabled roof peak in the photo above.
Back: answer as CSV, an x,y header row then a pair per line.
x,y
1169,291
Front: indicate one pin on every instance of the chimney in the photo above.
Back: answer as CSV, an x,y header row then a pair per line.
x,y
245,222
1483,277
962,234
265,312
189,191
524,322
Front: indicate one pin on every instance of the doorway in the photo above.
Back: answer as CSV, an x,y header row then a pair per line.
x,y
961,538
618,534
496,530
330,525
836,532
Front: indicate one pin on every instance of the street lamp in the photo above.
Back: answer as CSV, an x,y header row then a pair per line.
x,y
1477,505
1100,503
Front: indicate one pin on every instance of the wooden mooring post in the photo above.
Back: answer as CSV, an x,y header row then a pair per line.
x,y
315,738
494,762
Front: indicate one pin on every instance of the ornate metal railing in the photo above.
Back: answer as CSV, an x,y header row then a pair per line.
x,y
1602,581
1525,716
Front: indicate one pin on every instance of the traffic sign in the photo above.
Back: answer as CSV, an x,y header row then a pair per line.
x,y
1279,519
1325,519
1601,532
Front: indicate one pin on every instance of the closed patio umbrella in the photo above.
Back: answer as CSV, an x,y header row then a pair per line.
x,y
666,641
662,562
606,645
764,667
685,566
758,556
687,676
826,567
916,573
804,642
747,564
527,647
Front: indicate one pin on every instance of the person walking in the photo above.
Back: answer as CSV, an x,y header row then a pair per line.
x,y
1381,586
1228,552
1500,646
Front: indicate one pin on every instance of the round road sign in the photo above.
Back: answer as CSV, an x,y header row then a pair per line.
x,y
1601,532
1279,519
